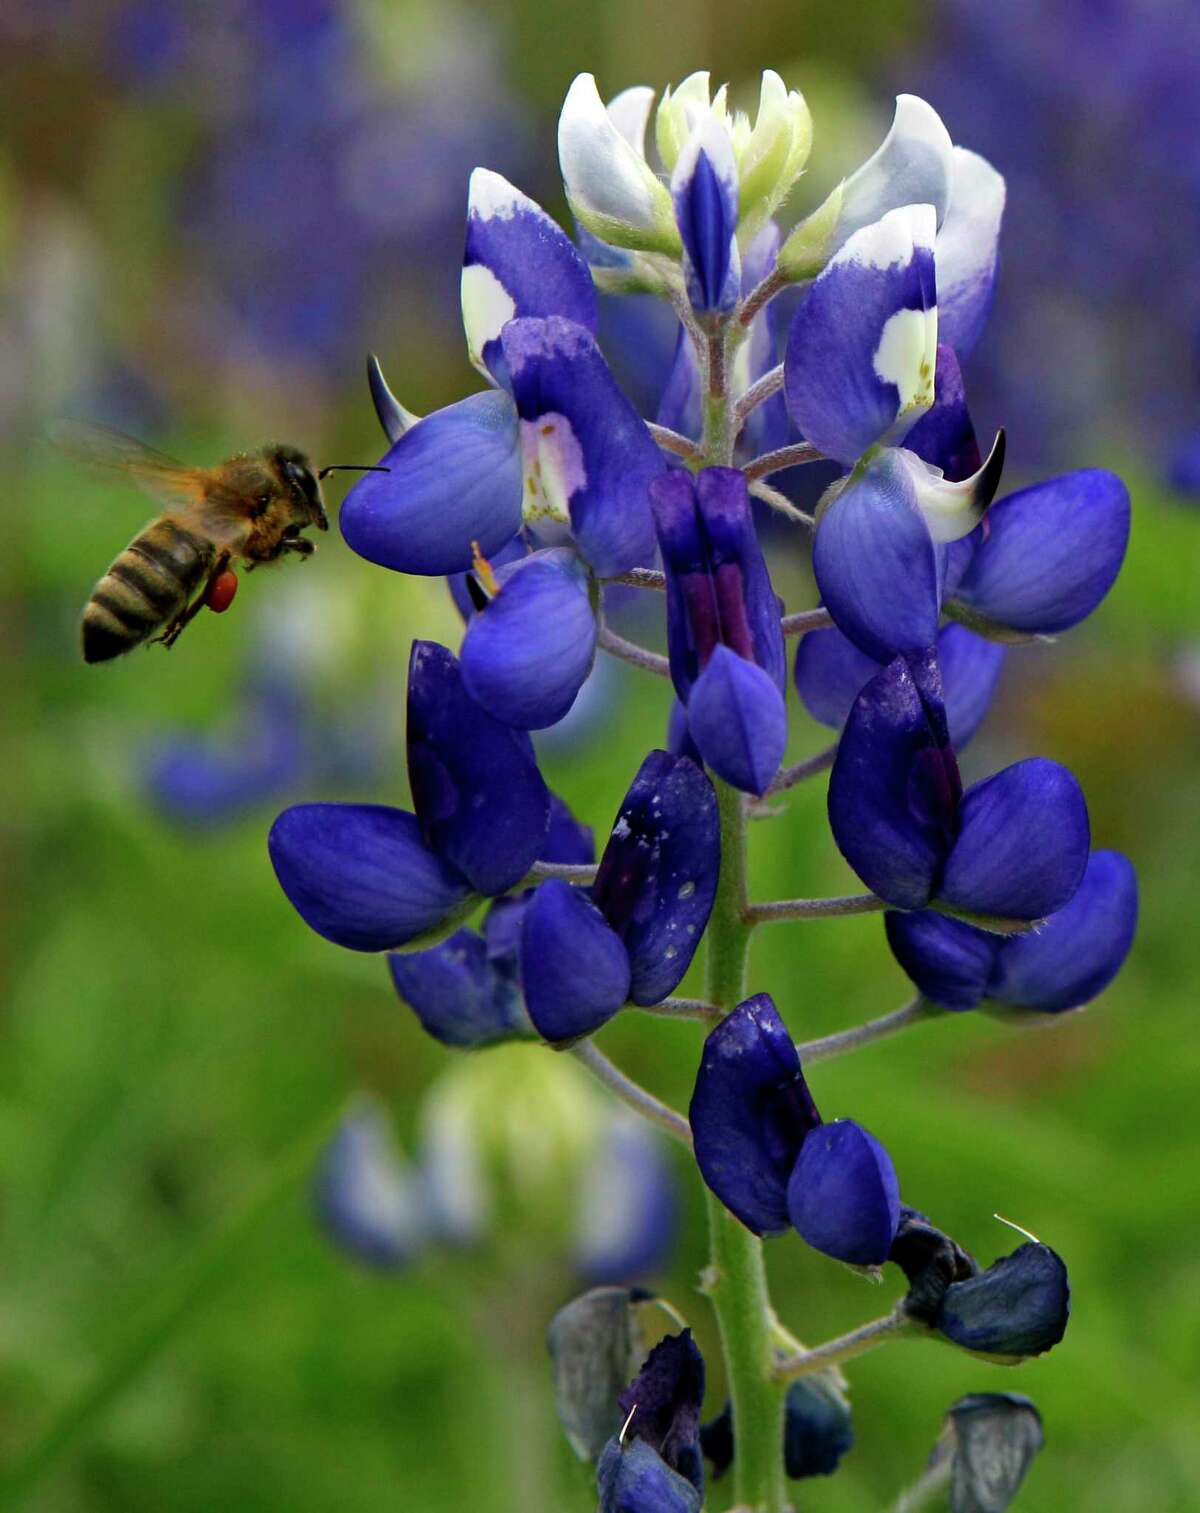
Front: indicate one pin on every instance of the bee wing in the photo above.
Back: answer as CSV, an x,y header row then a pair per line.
x,y
154,473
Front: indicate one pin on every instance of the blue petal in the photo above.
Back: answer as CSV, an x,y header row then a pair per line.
x,y
875,564
628,1207
750,1113
1018,1307
575,971
949,961
679,739
738,720
658,876
679,409
967,249
830,674
475,784
459,995
361,876
668,1393
1023,843
970,671
843,1195
817,1428
527,654
704,188
517,262
367,1200
860,355
567,839
633,1478
768,425
455,478
1050,553
1078,951
944,437
894,789
605,456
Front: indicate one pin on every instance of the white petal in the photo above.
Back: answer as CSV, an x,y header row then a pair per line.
x,y
966,248
911,166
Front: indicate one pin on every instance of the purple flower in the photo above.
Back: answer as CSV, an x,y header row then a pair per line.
x,y
374,878
817,1431
704,188
723,629
1013,847
764,1150
655,1466
1069,959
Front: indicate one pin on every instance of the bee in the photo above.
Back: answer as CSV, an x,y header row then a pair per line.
x,y
252,508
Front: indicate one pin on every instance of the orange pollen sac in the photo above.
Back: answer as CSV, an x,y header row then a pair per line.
x,y
482,569
221,591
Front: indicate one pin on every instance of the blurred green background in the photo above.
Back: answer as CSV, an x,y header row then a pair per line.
x,y
205,219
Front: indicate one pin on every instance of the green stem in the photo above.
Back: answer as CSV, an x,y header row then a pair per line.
x,y
177,1305
736,1279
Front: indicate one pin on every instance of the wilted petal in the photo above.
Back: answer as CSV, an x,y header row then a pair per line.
x,y
1077,952
587,452
361,876
948,960
609,184
930,1260
738,720
589,1340
750,1113
991,1437
913,165
633,1478
453,479
1023,843
843,1195
966,249
658,875
862,349
475,784
704,188
667,1394
875,563
1050,553
367,1199
575,971
894,789
817,1428
1018,1307
527,653
459,994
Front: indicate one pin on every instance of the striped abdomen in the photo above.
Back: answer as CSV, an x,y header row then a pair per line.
x,y
145,588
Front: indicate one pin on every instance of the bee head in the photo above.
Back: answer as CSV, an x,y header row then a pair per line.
x,y
297,475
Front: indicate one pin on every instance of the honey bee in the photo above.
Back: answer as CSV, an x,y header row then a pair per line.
x,y
251,508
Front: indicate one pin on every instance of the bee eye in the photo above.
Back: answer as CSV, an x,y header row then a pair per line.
x,y
261,505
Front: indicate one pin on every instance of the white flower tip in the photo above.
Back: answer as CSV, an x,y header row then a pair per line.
x,y
490,196
917,121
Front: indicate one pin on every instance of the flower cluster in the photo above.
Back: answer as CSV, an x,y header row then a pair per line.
x,y
540,494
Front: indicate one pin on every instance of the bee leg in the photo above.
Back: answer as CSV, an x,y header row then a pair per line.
x,y
188,614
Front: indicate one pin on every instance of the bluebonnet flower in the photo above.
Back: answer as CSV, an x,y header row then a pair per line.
x,y
817,1431
1071,957
375,878
565,958
762,1147
723,628
655,1465
1011,848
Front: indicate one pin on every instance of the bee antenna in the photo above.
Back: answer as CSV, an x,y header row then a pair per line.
x,y
350,467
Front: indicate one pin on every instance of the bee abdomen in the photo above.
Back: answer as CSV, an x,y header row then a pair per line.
x,y
145,588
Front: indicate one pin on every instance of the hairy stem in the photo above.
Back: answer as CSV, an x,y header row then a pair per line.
x,y
673,441
812,908
630,651
640,577
780,502
770,383
569,872
761,295
805,620
927,1489
632,1093
810,767
784,457
828,1046
846,1346
681,1008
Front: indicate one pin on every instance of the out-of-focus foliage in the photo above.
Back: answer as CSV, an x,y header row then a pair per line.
x,y
175,1045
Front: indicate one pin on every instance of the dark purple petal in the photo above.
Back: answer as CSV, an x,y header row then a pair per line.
x,y
893,790
453,479
633,1478
817,1428
843,1195
750,1112
861,350
667,1394
1023,843
679,740
949,961
517,262
584,441
930,1260
970,671
1078,951
944,436
1018,1307
361,876
738,720
575,971
1050,553
568,839
367,1200
459,994
658,875
875,563
527,654
704,189
475,784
